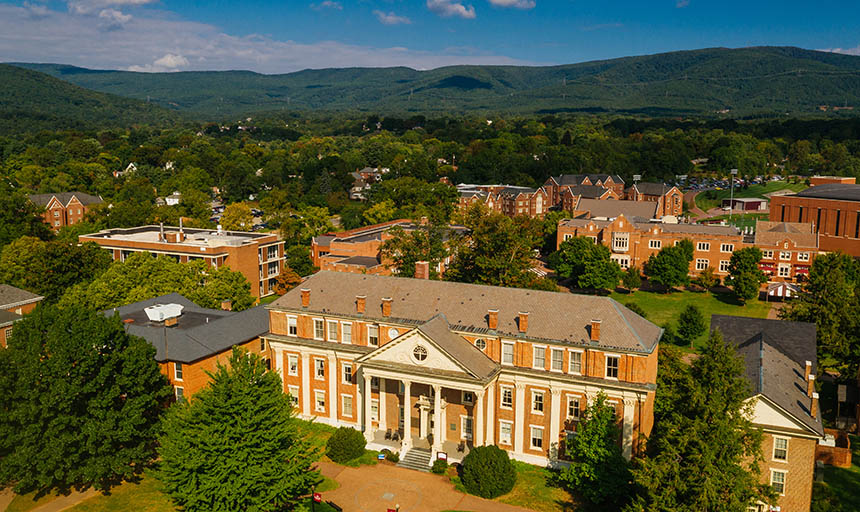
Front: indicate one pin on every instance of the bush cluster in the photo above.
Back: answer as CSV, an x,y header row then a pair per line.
x,y
488,472
391,456
439,466
345,444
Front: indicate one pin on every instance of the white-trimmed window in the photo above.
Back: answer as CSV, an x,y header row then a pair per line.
x,y
539,357
785,255
703,246
347,373
319,365
655,244
780,449
556,361
319,401
803,256
346,332
620,241
724,265
701,264
573,407
727,247
467,398
777,481
466,427
374,409
271,252
373,335
507,397
537,402
177,371
294,395
179,393
766,254
612,367
319,329
506,432
536,437
481,344
292,326
374,383
575,363
783,270
507,353
262,344
346,405
332,330
292,365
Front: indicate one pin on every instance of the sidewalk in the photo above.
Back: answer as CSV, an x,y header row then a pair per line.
x,y
61,503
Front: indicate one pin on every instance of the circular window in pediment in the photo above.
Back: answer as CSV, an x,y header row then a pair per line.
x,y
419,353
481,344
393,333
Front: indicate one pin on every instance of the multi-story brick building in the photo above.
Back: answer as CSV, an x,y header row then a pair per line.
x,y
826,180
571,196
507,199
780,359
190,340
834,210
64,208
14,303
556,184
669,199
443,366
258,256
788,249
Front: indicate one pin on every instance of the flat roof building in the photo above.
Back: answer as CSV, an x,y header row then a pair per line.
x,y
834,210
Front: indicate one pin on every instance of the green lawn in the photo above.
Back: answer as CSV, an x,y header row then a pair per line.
x,y
368,459
25,502
713,198
742,220
145,496
845,482
535,490
662,308
269,299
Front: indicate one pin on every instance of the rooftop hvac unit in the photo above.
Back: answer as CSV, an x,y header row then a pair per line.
x,y
163,312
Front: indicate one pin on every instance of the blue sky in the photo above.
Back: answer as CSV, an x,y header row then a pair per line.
x,y
288,35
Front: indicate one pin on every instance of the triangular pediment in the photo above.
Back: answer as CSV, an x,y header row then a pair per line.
x,y
768,414
402,350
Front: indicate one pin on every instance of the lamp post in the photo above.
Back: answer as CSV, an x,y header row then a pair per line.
x,y
734,172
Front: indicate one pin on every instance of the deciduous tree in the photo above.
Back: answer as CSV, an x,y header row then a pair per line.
x,y
745,277
586,263
671,266
405,248
691,324
237,217
19,217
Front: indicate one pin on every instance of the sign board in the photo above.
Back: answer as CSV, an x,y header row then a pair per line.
x,y
317,497
380,456
842,392
734,172
441,456
637,177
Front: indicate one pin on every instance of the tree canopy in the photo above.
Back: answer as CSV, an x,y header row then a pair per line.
x,y
586,263
671,266
745,277
405,248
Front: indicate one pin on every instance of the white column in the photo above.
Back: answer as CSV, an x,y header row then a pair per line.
x,y
368,424
627,428
519,415
555,408
279,366
491,414
306,385
438,422
407,414
332,389
479,418
382,400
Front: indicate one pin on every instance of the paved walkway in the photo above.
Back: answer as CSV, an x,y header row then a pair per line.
x,y
57,505
383,486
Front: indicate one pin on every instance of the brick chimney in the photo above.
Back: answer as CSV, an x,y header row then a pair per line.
x,y
524,321
306,297
808,370
810,385
359,303
492,318
813,407
595,329
386,306
422,270
424,220
227,305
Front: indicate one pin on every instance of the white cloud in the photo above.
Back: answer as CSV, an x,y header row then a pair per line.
x,y
448,8
37,10
113,19
146,41
518,4
90,6
391,18
327,4
846,51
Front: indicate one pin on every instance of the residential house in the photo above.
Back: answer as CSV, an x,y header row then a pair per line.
x,y
64,208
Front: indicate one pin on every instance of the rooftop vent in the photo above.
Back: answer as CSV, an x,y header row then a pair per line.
x,y
163,312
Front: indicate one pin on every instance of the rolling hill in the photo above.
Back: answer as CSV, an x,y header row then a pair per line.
x,y
745,81
32,101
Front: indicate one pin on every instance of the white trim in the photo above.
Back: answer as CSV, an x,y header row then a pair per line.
x,y
290,359
510,441
343,330
374,416
344,396
578,400
463,419
343,367
773,452
328,324
317,394
784,478
513,346
502,389
294,396
542,402
570,358
178,371
179,393
322,321
295,323
606,357
464,394
553,350
535,351
369,327
318,360
532,436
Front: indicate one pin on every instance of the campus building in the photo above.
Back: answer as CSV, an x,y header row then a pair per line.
x,y
258,256
439,367
14,303
833,209
507,199
787,248
190,340
554,185
64,208
669,199
781,364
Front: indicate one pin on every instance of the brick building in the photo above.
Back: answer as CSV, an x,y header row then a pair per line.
x,y
507,199
427,366
14,303
190,340
571,196
669,199
556,184
64,208
258,256
834,210
827,180
788,249
780,360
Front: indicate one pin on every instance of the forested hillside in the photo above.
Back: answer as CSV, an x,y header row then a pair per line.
x,y
31,101
746,81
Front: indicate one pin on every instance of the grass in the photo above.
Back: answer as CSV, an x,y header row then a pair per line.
x,y
368,459
145,496
845,482
663,308
742,220
713,198
327,484
25,502
316,433
269,299
535,490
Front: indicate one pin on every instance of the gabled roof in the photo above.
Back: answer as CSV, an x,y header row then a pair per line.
x,y
635,211
577,179
553,316
586,191
14,297
64,197
771,233
652,189
7,318
475,361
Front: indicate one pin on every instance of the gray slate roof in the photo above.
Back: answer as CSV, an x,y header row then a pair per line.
x,y
652,189
199,333
775,354
633,210
698,229
587,191
64,197
553,316
577,179
438,330
839,191
11,296
8,318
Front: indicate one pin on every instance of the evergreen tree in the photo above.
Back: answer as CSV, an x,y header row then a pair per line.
x,y
745,277
671,266
81,402
235,445
632,278
691,324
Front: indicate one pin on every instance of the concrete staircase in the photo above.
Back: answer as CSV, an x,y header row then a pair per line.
x,y
417,459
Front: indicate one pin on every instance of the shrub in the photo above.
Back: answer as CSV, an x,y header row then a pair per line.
x,y
439,466
488,472
691,325
707,279
345,444
391,456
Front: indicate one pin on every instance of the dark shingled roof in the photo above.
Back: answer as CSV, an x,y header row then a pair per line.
x,y
13,297
587,191
635,211
839,191
361,261
438,330
560,317
199,332
652,189
577,179
64,197
775,354
8,318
